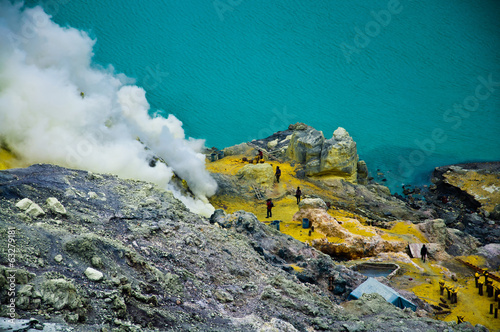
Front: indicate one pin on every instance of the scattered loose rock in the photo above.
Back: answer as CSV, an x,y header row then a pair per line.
x,y
93,274
58,258
55,206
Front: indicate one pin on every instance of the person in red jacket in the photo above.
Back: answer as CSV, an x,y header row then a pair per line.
x,y
270,205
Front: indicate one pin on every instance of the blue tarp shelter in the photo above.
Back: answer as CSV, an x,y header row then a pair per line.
x,y
373,286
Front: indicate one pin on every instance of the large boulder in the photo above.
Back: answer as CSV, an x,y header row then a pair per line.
x,y
93,274
261,174
338,240
315,209
30,208
60,293
305,147
55,206
491,252
336,156
455,242
312,203
339,156
240,149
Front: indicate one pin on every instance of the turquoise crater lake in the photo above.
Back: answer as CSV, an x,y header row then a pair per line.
x,y
415,83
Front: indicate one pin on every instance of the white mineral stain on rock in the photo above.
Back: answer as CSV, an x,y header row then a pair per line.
x,y
491,189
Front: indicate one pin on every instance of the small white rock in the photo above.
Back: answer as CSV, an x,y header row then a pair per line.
x,y
93,274
55,206
58,258
35,210
24,204
93,195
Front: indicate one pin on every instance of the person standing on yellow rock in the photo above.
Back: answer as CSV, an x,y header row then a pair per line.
x,y
270,205
278,174
261,155
298,194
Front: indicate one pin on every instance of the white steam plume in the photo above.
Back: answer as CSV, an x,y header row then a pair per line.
x,y
44,119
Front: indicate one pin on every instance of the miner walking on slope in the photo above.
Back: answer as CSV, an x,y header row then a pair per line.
x,y
423,252
298,194
270,205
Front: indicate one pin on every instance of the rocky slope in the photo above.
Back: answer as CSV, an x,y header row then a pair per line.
x,y
95,252
466,197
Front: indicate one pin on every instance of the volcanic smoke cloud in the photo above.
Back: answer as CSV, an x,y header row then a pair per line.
x,y
44,118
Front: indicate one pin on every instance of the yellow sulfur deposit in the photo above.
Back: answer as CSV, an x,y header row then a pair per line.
x,y
404,230
8,160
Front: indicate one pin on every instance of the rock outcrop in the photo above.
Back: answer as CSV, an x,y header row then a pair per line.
x,y
305,147
239,149
339,155
452,241
259,174
339,241
335,157
467,198
478,184
491,253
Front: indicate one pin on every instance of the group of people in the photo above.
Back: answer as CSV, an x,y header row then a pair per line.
x,y
270,204
298,196
277,174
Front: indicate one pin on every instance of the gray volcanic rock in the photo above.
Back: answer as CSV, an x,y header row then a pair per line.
x,y
164,268
467,197
491,252
339,154
301,143
477,185
335,156
305,147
